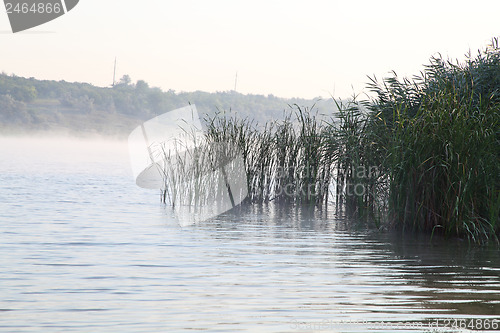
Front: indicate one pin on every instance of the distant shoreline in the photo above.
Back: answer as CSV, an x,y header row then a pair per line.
x,y
29,105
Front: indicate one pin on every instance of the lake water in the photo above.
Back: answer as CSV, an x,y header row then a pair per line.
x,y
82,249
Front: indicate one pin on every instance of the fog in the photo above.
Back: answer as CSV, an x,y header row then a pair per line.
x,y
64,154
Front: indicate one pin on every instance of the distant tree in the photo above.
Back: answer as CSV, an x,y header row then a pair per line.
x,y
156,98
12,111
23,93
141,86
125,80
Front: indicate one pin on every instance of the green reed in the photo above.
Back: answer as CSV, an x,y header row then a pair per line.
x,y
283,159
424,154
442,141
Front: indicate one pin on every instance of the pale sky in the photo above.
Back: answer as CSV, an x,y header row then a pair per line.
x,y
285,48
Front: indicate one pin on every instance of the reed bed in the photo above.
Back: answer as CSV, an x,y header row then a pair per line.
x,y
423,155
441,133
202,179
284,160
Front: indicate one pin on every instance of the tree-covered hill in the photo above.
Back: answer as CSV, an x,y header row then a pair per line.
x,y
28,104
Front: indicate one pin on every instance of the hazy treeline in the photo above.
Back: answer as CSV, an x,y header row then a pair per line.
x,y
28,104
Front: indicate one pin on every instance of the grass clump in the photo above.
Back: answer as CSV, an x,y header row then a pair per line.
x,y
423,155
284,160
442,137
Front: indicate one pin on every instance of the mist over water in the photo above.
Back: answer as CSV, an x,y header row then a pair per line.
x,y
84,249
65,153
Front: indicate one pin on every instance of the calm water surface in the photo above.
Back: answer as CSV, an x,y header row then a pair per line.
x,y
82,249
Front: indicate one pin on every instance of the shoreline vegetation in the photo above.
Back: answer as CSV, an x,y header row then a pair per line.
x,y
28,105
423,155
